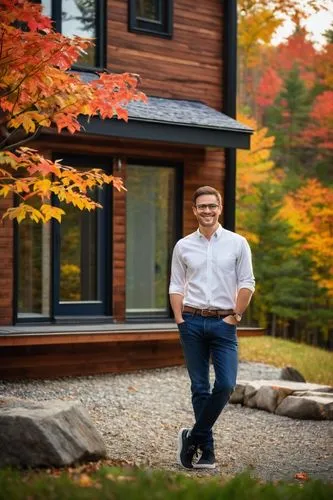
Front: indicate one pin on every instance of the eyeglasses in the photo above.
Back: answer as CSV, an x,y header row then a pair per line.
x,y
210,206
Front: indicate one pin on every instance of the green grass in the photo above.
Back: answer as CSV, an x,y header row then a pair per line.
x,y
137,484
315,364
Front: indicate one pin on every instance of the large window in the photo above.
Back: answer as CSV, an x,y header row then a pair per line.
x,y
34,270
85,18
153,17
150,237
62,269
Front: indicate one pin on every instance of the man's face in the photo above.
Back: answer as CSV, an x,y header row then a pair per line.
x,y
207,210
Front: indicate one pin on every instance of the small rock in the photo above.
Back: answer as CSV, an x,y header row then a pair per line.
x,y
290,373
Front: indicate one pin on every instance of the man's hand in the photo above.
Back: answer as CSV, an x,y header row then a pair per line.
x,y
231,320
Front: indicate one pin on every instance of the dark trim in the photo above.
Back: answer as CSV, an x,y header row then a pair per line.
x,y
167,132
104,251
15,267
229,106
142,26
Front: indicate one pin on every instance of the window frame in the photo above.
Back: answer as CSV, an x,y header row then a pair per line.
x,y
153,28
178,167
104,246
100,42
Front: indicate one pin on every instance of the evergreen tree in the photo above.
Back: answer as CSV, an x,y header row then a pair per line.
x,y
286,294
286,120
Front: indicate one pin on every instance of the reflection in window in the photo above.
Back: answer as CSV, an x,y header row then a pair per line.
x,y
149,239
78,255
82,18
79,18
34,267
149,9
153,17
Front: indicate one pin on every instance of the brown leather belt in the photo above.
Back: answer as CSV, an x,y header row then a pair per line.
x,y
212,313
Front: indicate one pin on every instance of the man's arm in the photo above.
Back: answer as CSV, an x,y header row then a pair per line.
x,y
243,300
177,284
246,281
176,301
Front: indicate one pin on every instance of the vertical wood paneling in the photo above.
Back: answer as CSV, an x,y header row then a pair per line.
x,y
118,264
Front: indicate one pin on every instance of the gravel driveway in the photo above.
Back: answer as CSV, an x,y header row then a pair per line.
x,y
139,415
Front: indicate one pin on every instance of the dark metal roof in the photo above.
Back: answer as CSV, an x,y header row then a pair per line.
x,y
173,120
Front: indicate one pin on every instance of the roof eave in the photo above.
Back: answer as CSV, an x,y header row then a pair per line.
x,y
167,132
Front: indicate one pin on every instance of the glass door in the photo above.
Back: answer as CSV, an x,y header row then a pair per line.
x,y
150,236
81,244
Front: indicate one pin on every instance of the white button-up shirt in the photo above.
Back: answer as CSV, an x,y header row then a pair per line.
x,y
209,273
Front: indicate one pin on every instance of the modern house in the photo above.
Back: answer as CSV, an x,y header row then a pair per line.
x,y
90,295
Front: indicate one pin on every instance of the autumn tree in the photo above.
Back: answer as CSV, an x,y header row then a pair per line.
x,y
258,23
38,91
286,119
254,167
309,211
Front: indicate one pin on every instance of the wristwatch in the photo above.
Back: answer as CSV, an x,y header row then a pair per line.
x,y
238,317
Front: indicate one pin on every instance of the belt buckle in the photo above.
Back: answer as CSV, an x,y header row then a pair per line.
x,y
205,313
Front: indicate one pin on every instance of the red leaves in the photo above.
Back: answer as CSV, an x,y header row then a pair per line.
x,y
319,132
269,87
302,476
36,90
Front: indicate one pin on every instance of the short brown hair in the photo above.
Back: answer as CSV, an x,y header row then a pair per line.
x,y
206,190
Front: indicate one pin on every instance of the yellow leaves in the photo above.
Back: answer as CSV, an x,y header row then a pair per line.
x,y
256,26
23,211
254,165
29,120
32,181
309,211
43,186
5,190
50,212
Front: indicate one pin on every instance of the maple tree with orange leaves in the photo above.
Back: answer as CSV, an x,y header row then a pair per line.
x,y
38,90
309,211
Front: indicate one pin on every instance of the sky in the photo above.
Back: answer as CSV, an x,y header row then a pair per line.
x,y
316,24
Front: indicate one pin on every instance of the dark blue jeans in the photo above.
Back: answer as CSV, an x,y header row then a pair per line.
x,y
202,339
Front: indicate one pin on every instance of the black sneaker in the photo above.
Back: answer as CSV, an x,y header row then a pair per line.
x,y
207,460
186,449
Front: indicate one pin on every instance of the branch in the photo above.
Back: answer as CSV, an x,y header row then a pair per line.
x,y
30,138
8,135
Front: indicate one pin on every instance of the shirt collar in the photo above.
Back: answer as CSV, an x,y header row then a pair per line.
x,y
216,235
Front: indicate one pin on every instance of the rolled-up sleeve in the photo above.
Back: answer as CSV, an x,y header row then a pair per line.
x,y
178,273
244,269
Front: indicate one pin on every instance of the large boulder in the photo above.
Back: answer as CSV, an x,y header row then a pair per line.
x,y
48,433
306,407
288,398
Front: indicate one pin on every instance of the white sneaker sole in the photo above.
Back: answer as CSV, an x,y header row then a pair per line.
x,y
204,466
180,444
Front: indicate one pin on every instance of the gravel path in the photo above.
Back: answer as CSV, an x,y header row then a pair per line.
x,y
139,415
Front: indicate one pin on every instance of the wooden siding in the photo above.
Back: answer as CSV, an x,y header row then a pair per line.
x,y
71,354
189,66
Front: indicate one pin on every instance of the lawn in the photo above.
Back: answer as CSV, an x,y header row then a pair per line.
x,y
137,484
315,364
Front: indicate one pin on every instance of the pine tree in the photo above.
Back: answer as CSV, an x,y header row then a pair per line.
x,y
286,120
285,287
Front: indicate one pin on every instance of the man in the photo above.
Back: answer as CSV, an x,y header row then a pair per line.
x,y
211,286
